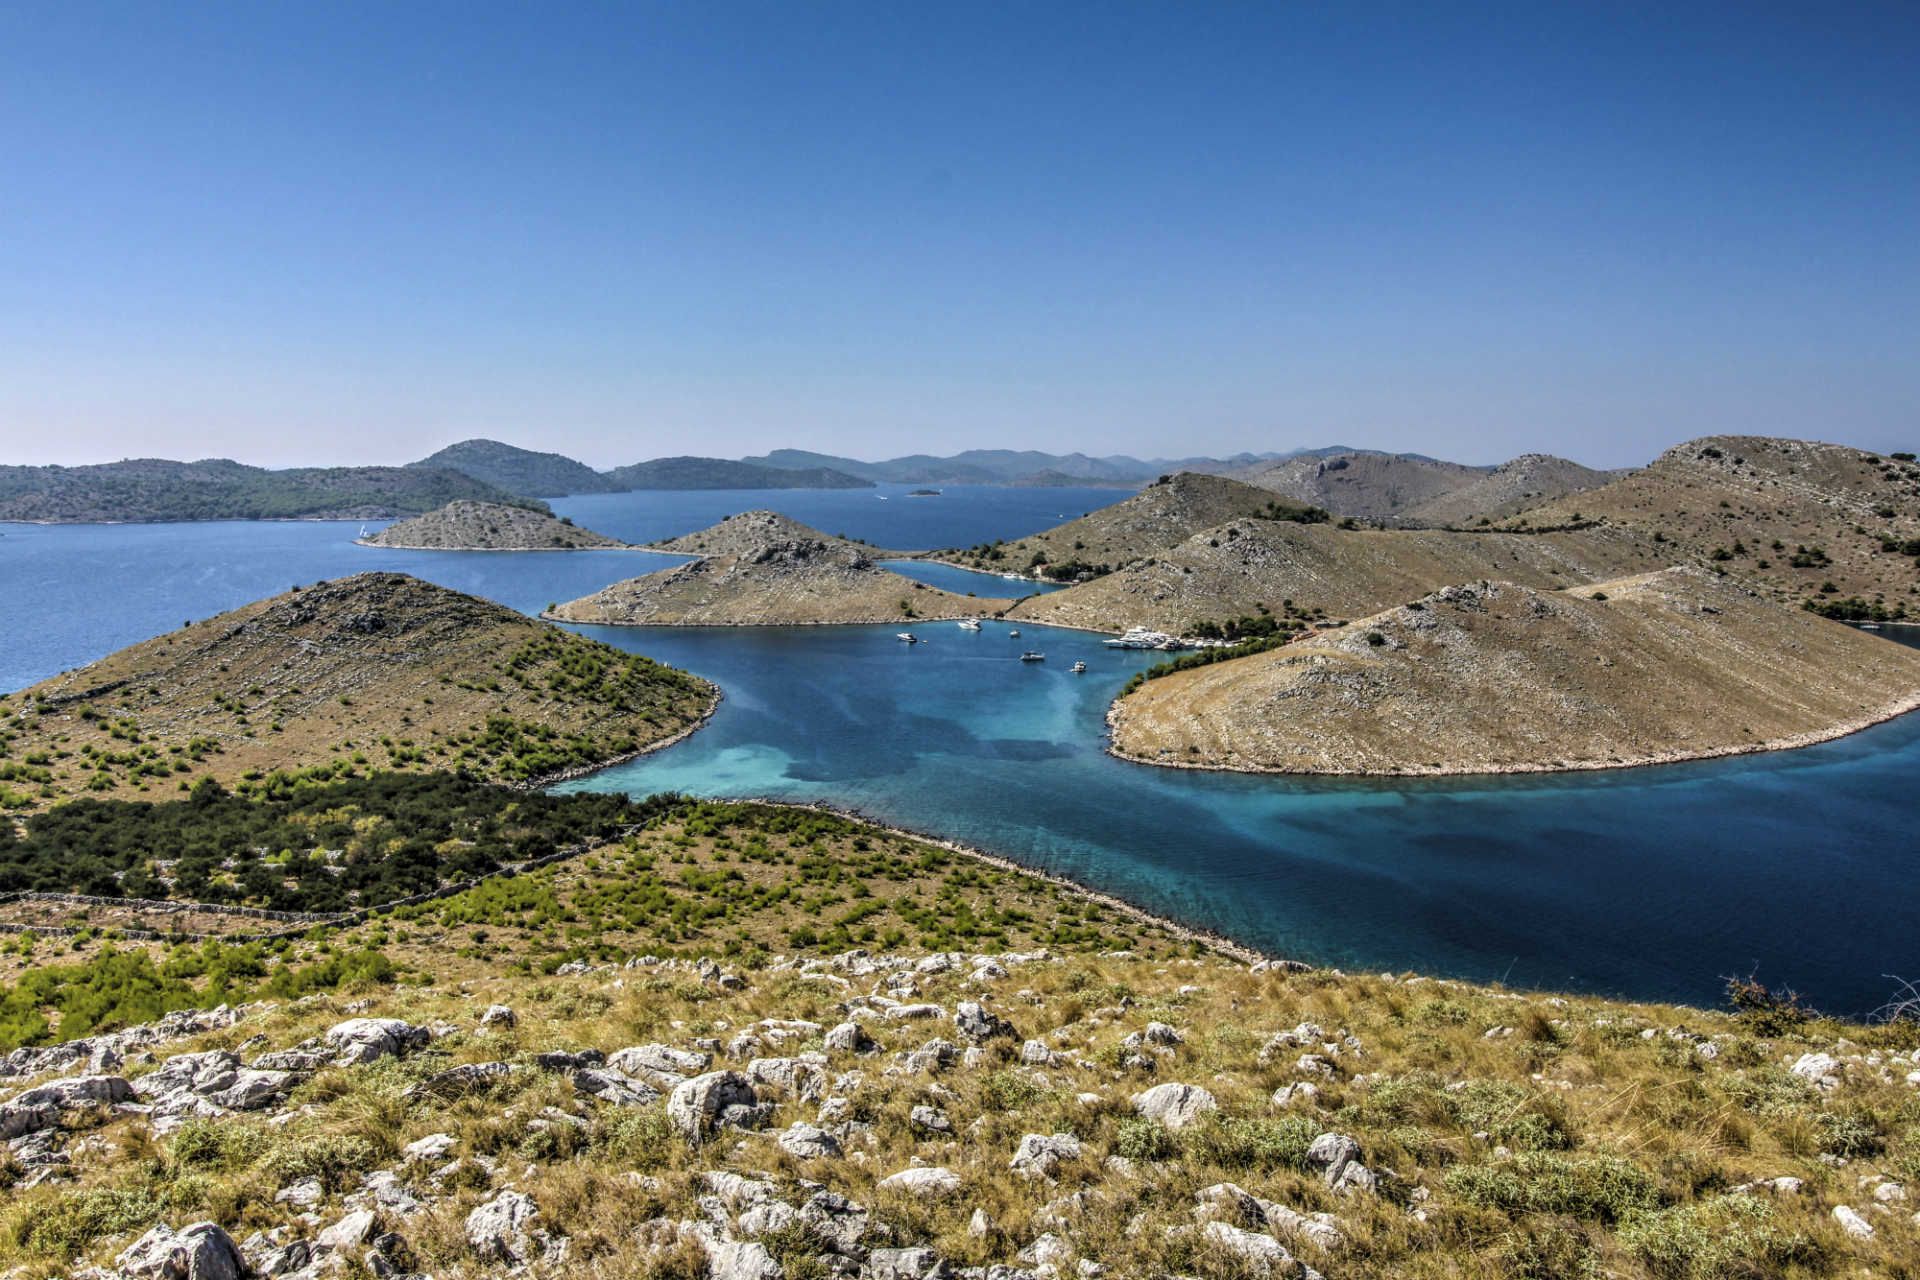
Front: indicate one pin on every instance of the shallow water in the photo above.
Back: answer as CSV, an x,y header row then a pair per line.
x,y
1649,882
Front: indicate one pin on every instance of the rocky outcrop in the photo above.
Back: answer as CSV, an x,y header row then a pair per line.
x,y
762,569
485,526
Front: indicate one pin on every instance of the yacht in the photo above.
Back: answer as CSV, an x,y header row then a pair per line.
x,y
1078,668
364,535
1032,655
908,636
969,624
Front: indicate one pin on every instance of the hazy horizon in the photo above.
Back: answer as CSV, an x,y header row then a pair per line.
x,y
357,233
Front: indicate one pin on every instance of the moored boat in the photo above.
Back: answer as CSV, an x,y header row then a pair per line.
x,y
1032,655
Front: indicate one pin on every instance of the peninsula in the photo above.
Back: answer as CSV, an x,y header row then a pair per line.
x,y
763,569
374,671
1494,677
489,526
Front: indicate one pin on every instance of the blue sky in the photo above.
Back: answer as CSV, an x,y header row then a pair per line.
x,y
296,234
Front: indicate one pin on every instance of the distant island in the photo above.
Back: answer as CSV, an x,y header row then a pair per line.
x,y
1401,489
155,490
719,473
488,526
762,569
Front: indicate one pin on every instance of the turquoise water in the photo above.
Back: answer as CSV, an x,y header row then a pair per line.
x,y
1651,882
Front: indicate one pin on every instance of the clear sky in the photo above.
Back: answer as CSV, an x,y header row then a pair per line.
x,y
339,232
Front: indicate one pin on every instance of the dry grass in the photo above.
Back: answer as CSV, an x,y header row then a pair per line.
x,y
1576,1145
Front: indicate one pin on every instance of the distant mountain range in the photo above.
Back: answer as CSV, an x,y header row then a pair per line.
x,y
551,475
1399,488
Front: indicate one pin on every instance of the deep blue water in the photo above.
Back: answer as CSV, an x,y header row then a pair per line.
x,y
1649,882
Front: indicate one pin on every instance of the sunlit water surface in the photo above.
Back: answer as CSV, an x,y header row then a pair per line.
x,y
1649,882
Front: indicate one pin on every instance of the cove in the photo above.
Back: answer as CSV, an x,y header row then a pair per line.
x,y
1647,883
1651,883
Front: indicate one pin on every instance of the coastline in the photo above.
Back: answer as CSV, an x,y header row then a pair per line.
x,y
673,739
518,551
1814,737
546,616
1218,942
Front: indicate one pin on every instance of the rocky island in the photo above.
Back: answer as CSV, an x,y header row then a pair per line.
x,y
1494,677
487,526
762,569
375,671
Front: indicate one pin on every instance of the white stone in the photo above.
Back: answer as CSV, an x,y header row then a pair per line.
x,y
1852,1223
1174,1105
929,1182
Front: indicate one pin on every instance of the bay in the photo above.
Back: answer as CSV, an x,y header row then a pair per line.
x,y
1653,883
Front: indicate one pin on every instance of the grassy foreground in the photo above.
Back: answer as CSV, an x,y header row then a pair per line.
x,y
1510,1134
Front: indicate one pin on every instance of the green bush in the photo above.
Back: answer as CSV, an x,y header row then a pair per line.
x,y
1138,1138
70,1222
1263,1143
1604,1188
1730,1236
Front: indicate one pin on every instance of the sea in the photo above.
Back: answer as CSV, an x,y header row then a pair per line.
x,y
1800,867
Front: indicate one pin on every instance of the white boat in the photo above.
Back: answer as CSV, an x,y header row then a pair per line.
x,y
908,636
969,624
1013,577
1078,668
363,533
1014,632
1144,638
1033,656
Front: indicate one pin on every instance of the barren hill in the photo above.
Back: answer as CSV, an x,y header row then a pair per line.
x,y
1160,516
1370,486
1795,515
487,526
378,670
1494,677
1412,490
750,531
1526,481
763,569
1248,567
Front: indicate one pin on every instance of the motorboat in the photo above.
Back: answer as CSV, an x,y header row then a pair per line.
x,y
908,636
969,624
1014,632
1032,655
1078,668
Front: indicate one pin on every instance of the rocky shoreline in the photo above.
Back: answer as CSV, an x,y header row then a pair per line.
x,y
1891,711
673,739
